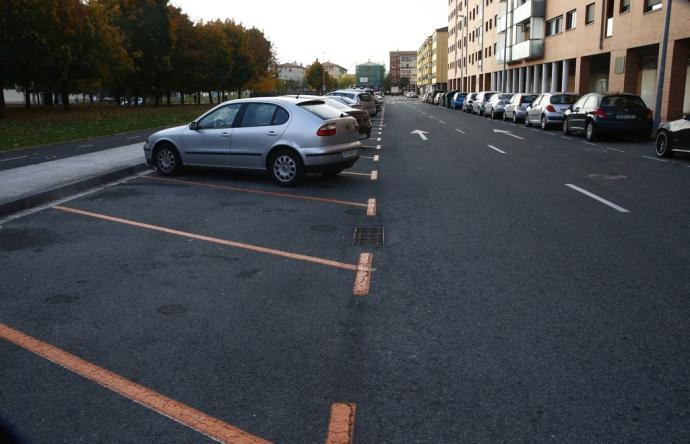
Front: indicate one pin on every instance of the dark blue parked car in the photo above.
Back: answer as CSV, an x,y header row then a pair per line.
x,y
458,100
609,113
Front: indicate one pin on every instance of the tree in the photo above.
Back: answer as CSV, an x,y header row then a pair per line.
x,y
264,78
314,75
387,82
242,68
404,82
347,81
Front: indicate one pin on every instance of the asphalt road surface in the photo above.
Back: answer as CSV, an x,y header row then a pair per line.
x,y
46,153
532,288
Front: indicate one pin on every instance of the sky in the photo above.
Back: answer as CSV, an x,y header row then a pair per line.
x,y
344,32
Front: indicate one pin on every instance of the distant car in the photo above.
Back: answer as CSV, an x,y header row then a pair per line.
x,y
448,97
458,100
480,102
341,103
610,113
412,95
438,98
467,105
287,137
673,137
362,97
496,105
515,109
549,109
428,97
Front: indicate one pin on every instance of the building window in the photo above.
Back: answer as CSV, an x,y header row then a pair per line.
x,y
589,14
652,5
570,19
554,26
625,6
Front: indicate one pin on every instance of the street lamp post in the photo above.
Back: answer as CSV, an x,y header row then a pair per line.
x,y
663,46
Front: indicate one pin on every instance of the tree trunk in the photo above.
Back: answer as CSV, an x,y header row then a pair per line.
x,y
65,100
3,110
91,99
181,98
218,96
167,97
27,99
48,99
210,97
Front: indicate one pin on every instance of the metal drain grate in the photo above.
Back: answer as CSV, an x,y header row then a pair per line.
x,y
368,236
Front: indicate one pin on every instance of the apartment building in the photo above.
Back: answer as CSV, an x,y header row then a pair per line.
x,y
333,70
432,62
370,75
291,72
403,64
571,45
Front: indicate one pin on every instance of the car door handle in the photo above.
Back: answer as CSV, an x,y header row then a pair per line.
x,y
224,134
271,133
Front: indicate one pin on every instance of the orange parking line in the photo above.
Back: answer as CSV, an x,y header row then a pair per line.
x,y
265,193
371,207
363,276
342,423
229,243
181,413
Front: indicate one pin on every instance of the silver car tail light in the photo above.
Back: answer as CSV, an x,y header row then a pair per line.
x,y
327,130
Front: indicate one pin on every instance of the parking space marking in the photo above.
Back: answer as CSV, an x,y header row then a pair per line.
x,y
13,158
442,122
265,193
215,240
133,137
597,198
374,175
341,424
378,147
376,158
371,207
496,149
363,276
181,413
85,146
654,158
378,139
590,143
460,131
615,149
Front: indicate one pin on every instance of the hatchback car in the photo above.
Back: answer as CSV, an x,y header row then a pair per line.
x,y
480,101
673,137
287,137
515,109
495,107
615,114
458,100
469,101
438,97
363,98
448,98
549,109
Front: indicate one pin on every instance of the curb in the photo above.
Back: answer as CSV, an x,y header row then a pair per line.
x,y
63,191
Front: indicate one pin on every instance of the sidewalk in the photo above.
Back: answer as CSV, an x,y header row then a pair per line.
x,y
28,186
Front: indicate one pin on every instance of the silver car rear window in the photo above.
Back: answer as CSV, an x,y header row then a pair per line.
x,y
321,110
563,99
366,97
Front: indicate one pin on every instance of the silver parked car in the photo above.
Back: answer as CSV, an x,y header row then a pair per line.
x,y
549,108
285,136
515,110
469,100
363,98
496,105
479,103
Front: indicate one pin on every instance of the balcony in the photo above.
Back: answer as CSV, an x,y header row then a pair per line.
x,y
499,55
502,21
529,9
529,49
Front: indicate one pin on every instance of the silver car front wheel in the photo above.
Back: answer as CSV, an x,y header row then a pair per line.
x,y
167,161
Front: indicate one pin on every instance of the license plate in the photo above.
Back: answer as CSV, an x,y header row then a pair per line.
x,y
625,116
349,153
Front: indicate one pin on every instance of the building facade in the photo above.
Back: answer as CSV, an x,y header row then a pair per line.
x,y
370,75
432,62
333,70
291,72
403,64
571,45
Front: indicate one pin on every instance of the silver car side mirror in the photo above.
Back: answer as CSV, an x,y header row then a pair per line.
x,y
194,126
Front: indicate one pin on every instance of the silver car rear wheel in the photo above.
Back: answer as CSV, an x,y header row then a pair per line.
x,y
286,168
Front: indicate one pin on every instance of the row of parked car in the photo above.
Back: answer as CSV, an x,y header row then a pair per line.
x,y
286,136
592,115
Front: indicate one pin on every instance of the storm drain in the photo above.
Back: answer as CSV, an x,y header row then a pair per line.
x,y
368,236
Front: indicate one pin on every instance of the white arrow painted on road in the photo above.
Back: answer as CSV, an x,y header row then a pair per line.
x,y
508,133
421,134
